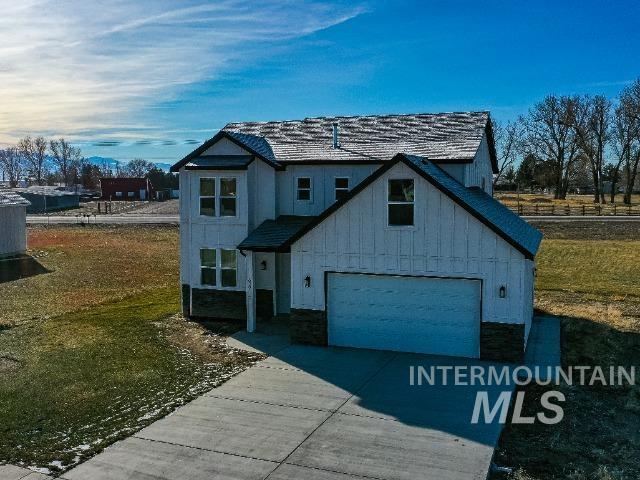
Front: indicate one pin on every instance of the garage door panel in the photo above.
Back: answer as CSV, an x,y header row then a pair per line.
x,y
413,314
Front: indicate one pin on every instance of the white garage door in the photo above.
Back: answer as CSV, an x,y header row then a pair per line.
x,y
407,314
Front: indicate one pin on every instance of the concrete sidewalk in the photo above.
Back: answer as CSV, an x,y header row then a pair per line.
x,y
12,472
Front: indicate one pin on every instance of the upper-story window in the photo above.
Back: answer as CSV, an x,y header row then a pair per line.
x,y
208,197
227,197
222,205
341,187
400,202
303,188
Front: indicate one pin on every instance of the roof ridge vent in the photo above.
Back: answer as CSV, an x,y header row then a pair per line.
x,y
336,140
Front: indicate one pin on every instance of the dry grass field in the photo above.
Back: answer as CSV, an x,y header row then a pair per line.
x,y
588,273
94,350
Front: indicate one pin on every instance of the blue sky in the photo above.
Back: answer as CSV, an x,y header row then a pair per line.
x,y
151,78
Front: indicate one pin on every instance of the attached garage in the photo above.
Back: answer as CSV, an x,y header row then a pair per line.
x,y
443,269
404,313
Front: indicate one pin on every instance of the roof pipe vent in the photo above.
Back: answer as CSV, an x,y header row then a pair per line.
x,y
336,141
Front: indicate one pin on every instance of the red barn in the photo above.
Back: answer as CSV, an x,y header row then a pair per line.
x,y
126,189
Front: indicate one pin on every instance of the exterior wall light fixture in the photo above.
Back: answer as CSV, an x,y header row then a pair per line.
x,y
503,291
307,281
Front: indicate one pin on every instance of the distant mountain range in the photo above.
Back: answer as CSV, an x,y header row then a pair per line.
x,y
113,163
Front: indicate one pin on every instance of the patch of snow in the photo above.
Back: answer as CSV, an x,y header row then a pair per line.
x,y
44,471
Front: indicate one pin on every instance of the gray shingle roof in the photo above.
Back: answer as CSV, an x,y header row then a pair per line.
x,y
505,222
273,235
439,137
256,143
8,197
47,190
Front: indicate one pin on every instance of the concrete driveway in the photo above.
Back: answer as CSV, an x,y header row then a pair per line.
x,y
312,413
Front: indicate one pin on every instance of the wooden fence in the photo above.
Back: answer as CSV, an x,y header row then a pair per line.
x,y
576,210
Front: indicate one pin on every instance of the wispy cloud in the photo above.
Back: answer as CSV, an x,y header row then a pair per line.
x,y
76,68
608,83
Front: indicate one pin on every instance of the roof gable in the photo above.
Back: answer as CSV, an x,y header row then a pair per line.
x,y
509,226
255,145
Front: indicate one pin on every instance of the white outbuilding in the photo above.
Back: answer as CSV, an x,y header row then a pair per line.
x,y
13,223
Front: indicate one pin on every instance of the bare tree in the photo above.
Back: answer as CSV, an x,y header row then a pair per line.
x,y
12,165
67,158
626,143
34,152
592,124
549,136
627,136
507,138
138,168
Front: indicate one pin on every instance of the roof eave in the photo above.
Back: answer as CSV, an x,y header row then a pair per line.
x,y
523,250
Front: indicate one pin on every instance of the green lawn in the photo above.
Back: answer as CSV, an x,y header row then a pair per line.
x,y
595,286
112,357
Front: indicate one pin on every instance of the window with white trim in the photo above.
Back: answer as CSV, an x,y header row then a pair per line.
x,y
218,267
118,194
227,197
228,268
208,266
131,194
218,196
303,185
208,197
400,202
341,187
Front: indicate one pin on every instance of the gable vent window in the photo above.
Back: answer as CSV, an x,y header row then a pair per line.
x,y
304,188
400,204
342,187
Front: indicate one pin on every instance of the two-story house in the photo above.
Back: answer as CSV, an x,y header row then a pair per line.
x,y
370,231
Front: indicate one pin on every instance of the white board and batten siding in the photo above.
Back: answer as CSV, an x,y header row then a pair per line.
x,y
322,186
446,241
479,172
255,202
13,225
